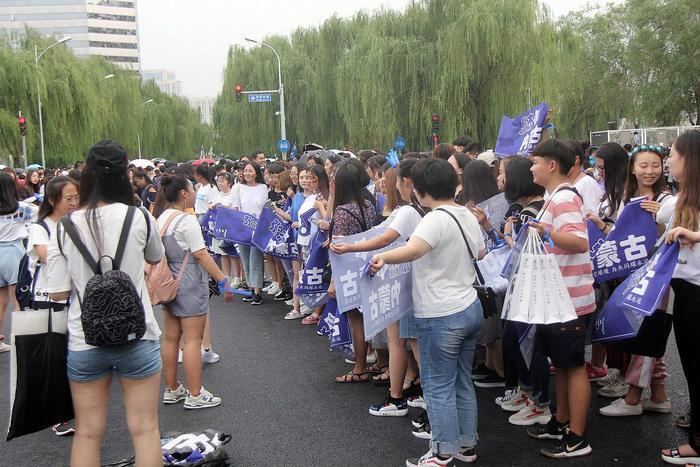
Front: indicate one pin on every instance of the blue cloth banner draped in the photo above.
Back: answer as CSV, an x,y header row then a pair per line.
x,y
305,225
234,226
313,283
273,235
518,136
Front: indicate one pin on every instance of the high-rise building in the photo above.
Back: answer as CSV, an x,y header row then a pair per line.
x,y
205,107
165,80
108,28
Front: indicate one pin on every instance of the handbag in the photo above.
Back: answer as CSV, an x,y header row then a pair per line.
x,y
40,394
486,295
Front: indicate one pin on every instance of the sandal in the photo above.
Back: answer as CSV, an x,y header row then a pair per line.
x,y
382,379
376,368
352,377
676,458
311,319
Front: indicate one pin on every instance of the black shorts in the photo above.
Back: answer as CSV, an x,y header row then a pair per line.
x,y
564,343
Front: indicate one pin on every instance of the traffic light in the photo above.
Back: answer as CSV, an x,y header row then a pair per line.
x,y
239,90
22,126
436,129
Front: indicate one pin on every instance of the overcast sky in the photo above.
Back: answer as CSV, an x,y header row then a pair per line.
x,y
192,37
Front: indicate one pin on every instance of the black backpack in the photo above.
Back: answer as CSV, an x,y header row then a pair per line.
x,y
24,292
111,309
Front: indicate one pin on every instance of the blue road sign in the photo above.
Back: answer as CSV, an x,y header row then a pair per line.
x,y
283,145
264,97
400,143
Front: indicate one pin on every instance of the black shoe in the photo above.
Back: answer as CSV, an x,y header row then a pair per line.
x,y
244,286
422,432
249,298
414,389
480,372
420,420
491,381
284,295
256,299
552,430
572,445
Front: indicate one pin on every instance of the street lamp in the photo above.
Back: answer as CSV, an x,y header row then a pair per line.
x,y
138,133
37,56
109,76
283,119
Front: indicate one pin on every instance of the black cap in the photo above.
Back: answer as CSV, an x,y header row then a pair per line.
x,y
108,155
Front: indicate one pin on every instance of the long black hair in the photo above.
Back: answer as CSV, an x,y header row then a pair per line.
x,y
320,173
348,186
519,180
259,178
206,173
478,182
170,188
53,193
616,161
9,201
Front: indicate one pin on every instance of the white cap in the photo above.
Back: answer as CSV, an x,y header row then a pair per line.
x,y
487,156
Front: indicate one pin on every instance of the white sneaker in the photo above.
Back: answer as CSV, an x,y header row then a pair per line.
x,y
517,403
4,347
616,388
620,408
236,282
268,287
508,395
203,401
372,358
209,356
173,396
274,290
613,373
530,415
649,405
305,310
289,302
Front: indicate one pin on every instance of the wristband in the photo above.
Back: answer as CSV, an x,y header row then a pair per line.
x,y
222,284
548,238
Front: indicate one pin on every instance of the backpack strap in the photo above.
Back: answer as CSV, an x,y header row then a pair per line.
x,y
147,216
169,221
46,227
72,232
123,237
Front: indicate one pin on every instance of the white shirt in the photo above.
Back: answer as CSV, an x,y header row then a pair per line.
x,y
15,226
250,199
224,199
188,234
443,278
590,192
70,272
205,196
688,266
38,236
406,221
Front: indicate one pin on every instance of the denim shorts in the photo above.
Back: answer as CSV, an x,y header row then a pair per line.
x,y
11,254
136,360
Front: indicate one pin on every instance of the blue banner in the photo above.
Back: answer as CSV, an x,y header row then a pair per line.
x,y
304,232
234,226
334,326
313,284
273,235
638,296
381,201
347,269
206,223
518,136
627,246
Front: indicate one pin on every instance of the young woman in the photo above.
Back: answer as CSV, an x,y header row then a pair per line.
x,y
449,317
331,160
458,161
207,191
186,315
15,218
33,182
374,170
250,197
352,214
684,166
105,196
294,177
146,190
408,216
392,196
644,178
278,197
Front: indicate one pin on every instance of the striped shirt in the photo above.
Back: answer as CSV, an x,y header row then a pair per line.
x,y
563,213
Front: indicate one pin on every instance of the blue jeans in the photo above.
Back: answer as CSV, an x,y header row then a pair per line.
x,y
446,355
252,260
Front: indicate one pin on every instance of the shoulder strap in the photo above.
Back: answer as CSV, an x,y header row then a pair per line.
x,y
661,196
168,222
546,204
46,227
480,278
360,220
72,232
123,237
146,216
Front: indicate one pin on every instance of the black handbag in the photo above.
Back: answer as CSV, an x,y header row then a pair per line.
x,y
486,295
651,338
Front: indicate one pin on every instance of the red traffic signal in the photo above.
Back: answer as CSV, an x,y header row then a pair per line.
x,y
436,118
22,126
239,90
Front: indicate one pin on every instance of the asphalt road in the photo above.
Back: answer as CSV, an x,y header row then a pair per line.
x,y
283,408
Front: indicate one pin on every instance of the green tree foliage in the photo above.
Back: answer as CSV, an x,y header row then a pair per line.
x,y
81,107
359,82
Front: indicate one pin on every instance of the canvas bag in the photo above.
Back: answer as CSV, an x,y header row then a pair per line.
x,y
162,286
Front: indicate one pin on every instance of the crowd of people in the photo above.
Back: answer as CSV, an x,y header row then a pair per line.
x,y
457,202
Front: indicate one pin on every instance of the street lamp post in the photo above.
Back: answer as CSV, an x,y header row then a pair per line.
x,y
283,118
37,56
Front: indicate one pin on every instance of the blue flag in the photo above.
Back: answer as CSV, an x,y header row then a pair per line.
x,y
627,246
273,235
518,136
381,201
206,223
638,296
234,226
313,283
304,232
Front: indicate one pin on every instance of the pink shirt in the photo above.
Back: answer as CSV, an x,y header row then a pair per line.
x,y
564,213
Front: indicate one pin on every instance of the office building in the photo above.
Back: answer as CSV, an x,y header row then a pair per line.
x,y
165,80
205,107
107,28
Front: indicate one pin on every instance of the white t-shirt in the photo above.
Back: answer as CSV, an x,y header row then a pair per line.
x,y
15,226
250,199
224,199
688,266
188,234
406,221
590,193
69,271
39,236
308,204
206,194
668,207
443,278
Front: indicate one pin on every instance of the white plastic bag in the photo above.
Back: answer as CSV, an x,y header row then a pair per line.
x,y
491,266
